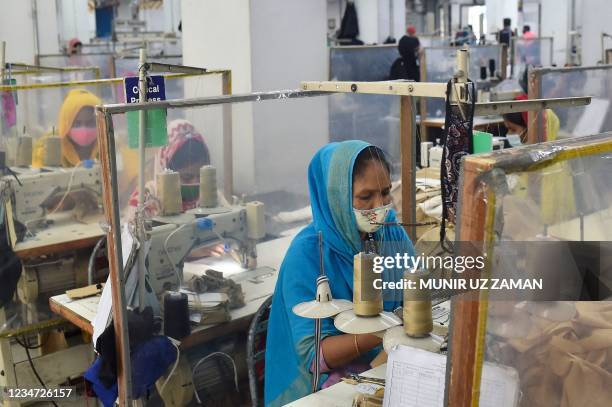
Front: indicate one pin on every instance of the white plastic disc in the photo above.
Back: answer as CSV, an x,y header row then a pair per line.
x,y
350,323
315,309
396,336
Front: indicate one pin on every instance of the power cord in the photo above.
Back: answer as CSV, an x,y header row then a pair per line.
x,y
27,348
176,362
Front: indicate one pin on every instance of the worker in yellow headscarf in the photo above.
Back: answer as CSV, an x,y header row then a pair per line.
x,y
555,181
76,126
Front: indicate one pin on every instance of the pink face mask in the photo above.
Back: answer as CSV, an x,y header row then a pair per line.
x,y
83,136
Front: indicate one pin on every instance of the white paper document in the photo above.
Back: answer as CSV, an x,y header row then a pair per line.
x,y
416,378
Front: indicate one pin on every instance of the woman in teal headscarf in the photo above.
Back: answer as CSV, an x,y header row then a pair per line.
x,y
348,182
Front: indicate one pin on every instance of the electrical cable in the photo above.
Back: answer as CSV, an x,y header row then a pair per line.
x,y
174,268
176,362
92,259
204,359
40,380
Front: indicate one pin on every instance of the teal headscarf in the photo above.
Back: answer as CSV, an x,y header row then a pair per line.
x,y
290,341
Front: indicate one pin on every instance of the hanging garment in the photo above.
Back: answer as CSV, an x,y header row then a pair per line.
x,y
349,27
457,142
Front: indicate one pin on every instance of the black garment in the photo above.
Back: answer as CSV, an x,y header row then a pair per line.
x,y
349,28
505,35
141,327
10,265
406,66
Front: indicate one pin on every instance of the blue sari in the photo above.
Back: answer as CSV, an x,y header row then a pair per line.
x,y
290,340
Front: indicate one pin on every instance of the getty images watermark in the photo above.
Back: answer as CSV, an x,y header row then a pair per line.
x,y
458,264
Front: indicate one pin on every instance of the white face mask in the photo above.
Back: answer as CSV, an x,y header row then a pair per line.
x,y
367,218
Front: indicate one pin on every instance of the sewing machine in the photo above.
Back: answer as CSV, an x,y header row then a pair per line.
x,y
36,194
171,242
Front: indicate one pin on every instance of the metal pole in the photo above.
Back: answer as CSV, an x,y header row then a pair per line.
x,y
2,59
142,121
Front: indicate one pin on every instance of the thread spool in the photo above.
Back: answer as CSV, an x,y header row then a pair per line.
x,y
169,192
176,315
367,300
483,72
52,156
23,151
418,321
208,187
491,67
256,226
425,147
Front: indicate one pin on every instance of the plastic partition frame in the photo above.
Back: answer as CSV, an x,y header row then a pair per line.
x,y
111,200
535,133
476,214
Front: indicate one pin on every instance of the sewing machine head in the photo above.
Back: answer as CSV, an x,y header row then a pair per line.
x,y
37,196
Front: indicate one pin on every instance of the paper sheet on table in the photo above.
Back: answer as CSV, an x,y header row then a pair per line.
x,y
105,306
416,378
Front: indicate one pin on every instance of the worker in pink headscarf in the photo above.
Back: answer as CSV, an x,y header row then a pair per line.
x,y
185,153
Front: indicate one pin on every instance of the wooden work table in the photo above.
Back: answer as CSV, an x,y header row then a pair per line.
x,y
64,236
256,290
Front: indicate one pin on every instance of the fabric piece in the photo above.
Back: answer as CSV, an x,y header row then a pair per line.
x,y
141,327
564,363
349,27
290,338
72,105
457,143
150,360
10,265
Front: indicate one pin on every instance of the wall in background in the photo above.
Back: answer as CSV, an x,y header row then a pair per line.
x,y
17,29
596,17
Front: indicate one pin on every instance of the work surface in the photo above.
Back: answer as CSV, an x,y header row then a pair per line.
x,y
257,285
61,237
338,395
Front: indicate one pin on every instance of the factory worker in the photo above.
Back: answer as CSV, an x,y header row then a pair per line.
x,y
185,153
552,187
76,126
348,181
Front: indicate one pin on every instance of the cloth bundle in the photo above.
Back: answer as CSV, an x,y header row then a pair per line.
x,y
564,364
214,282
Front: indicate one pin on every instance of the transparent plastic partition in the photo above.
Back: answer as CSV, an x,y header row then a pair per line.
x,y
549,220
54,185
104,61
274,136
594,81
433,41
531,52
373,118
441,63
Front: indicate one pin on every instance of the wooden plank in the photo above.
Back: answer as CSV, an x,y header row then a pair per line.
x,y
228,157
61,239
465,310
114,266
535,92
423,101
71,316
504,61
408,155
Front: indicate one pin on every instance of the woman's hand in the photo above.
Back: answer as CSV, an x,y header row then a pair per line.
x,y
217,250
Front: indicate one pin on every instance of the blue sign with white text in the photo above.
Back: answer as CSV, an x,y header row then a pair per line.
x,y
156,88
